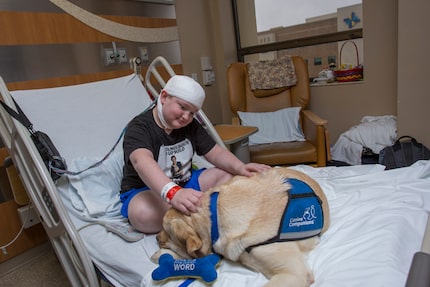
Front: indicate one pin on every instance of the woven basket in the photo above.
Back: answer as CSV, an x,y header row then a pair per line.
x,y
348,75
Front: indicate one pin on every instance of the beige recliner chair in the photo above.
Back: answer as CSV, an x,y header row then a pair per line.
x,y
314,149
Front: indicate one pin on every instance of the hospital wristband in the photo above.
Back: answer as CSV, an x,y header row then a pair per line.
x,y
169,191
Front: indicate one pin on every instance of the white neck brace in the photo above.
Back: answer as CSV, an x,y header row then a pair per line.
x,y
160,114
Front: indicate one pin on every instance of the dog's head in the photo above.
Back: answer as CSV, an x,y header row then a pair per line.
x,y
184,235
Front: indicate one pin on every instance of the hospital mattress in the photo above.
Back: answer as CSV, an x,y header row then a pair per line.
x,y
377,223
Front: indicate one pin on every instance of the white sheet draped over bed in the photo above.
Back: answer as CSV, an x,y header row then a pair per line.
x,y
377,222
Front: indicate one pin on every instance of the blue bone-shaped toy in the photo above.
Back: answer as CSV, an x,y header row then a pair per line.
x,y
203,268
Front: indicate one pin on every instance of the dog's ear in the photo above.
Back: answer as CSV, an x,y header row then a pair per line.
x,y
162,238
194,244
185,236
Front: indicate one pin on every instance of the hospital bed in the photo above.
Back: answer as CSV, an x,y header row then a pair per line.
x,y
378,217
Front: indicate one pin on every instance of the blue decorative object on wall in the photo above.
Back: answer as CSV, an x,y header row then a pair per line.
x,y
351,21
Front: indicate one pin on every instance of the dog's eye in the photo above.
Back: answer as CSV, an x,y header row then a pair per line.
x,y
161,238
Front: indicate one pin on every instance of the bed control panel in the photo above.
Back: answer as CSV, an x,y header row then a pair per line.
x,y
50,205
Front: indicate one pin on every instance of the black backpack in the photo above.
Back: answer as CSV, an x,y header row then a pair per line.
x,y
405,151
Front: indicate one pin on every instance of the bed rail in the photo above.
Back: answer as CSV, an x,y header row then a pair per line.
x,y
425,246
418,273
200,116
43,194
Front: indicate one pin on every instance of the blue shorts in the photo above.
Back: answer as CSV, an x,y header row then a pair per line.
x,y
127,196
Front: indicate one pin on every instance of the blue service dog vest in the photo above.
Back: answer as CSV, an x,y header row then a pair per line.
x,y
303,216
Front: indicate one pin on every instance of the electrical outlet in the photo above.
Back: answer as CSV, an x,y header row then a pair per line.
x,y
109,56
208,77
28,216
122,55
144,54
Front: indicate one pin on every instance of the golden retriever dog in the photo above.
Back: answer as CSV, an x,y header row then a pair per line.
x,y
248,217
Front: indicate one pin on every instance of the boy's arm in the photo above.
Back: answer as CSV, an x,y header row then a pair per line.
x,y
185,200
226,160
148,169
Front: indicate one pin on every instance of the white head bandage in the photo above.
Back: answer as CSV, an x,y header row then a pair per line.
x,y
187,89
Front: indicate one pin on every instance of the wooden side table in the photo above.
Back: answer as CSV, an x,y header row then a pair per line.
x,y
237,137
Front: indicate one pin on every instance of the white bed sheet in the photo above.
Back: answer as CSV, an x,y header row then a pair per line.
x,y
378,220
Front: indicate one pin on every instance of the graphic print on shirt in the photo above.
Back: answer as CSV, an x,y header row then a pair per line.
x,y
175,160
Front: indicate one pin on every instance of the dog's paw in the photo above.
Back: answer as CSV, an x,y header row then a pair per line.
x,y
156,256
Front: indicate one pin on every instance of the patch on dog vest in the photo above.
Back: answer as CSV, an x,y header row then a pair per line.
x,y
303,216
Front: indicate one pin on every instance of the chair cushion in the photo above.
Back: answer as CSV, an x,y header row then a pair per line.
x,y
283,153
268,93
279,126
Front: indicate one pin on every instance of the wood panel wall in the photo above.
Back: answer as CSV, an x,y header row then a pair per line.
x,y
40,28
10,224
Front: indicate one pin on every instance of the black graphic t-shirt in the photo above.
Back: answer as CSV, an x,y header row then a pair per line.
x,y
173,152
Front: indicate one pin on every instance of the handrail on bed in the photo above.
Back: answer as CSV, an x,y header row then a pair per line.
x,y
418,275
152,71
201,116
43,193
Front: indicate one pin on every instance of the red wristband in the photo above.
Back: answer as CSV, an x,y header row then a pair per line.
x,y
171,193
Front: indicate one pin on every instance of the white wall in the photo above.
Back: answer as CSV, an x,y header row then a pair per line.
x,y
413,70
344,105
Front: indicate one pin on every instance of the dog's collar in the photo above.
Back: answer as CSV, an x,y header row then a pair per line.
x,y
214,216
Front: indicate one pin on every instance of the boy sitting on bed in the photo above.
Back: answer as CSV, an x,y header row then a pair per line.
x,y
158,148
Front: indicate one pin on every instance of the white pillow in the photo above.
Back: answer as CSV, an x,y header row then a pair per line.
x,y
96,191
279,126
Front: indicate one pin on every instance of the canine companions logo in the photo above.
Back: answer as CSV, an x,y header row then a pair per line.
x,y
307,218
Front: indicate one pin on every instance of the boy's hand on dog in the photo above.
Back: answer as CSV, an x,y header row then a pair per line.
x,y
187,200
251,168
